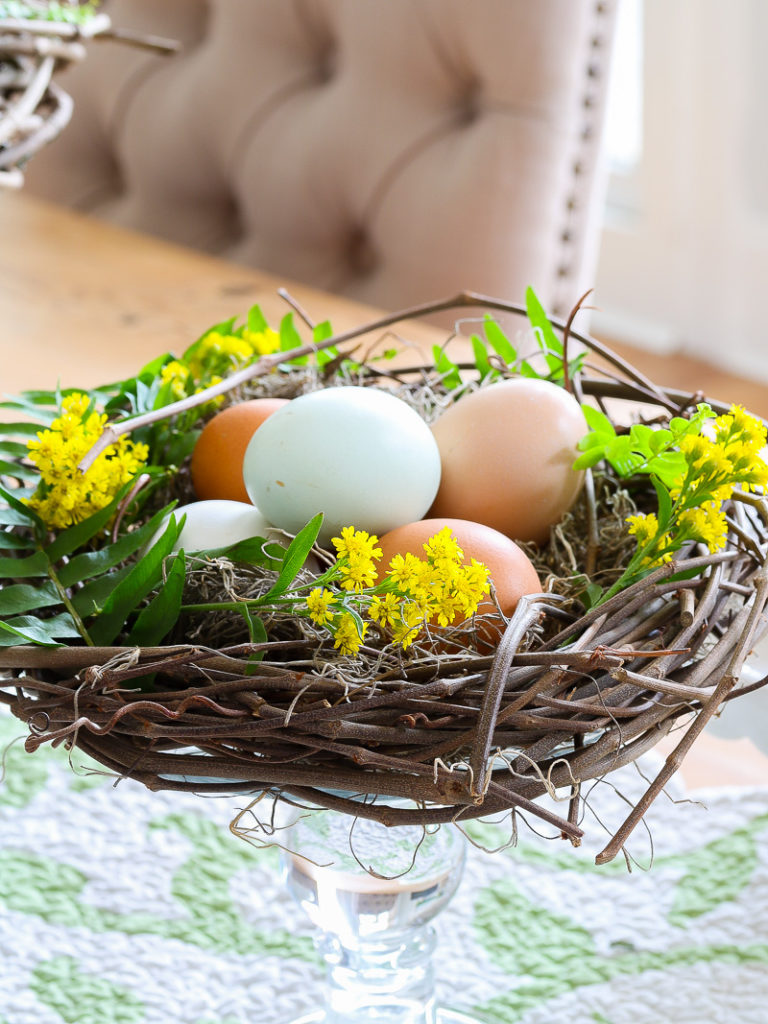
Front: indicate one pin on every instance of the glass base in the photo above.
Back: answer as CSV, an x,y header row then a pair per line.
x,y
441,1017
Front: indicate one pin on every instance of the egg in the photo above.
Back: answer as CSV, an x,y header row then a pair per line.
x,y
507,453
217,458
512,572
360,456
216,524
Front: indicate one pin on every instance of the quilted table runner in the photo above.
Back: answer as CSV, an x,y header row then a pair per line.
x,y
121,905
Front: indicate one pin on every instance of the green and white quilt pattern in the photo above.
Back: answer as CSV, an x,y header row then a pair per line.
x,y
120,905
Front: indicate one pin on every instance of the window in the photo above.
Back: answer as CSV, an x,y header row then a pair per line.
x,y
684,256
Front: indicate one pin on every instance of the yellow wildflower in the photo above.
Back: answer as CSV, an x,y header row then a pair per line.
x,y
706,524
385,609
357,572
356,542
262,343
446,606
319,601
64,495
348,639
407,629
443,545
745,428
177,375
471,584
644,527
406,572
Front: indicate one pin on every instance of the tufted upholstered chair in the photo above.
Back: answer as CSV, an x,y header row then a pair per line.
x,y
391,150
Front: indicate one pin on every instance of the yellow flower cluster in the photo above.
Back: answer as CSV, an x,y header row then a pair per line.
x,y
356,554
177,375
220,353
729,455
65,495
414,590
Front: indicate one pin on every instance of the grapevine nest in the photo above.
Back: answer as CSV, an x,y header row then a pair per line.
x,y
37,43
566,696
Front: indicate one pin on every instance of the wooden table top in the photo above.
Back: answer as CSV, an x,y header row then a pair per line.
x,y
83,302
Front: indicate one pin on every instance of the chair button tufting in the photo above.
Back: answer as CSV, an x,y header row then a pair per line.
x,y
361,254
326,64
470,103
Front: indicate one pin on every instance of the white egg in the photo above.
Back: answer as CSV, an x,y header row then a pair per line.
x,y
361,456
216,524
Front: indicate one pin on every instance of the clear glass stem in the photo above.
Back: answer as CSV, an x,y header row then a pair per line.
x,y
372,892
381,981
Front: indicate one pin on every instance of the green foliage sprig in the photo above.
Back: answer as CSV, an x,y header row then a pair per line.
x,y
29,10
495,345
694,465
352,592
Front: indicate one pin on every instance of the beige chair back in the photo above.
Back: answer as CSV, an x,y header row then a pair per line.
x,y
390,150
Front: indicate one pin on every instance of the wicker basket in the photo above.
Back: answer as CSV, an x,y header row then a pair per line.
x,y
35,48
566,697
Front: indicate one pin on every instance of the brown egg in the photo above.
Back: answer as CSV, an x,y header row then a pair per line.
x,y
512,572
217,459
507,454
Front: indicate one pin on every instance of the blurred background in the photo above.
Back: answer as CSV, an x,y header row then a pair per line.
x,y
393,153
683,258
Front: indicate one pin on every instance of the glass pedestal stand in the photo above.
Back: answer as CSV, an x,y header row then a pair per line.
x,y
372,891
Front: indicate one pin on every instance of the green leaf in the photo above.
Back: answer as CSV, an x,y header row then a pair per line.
x,y
78,535
20,429
24,568
249,552
133,588
620,455
660,439
482,363
590,595
322,332
598,421
539,320
640,438
224,327
498,340
290,339
10,517
90,599
593,440
327,355
257,632
526,370
446,367
16,449
27,514
22,597
149,370
13,542
18,471
665,503
159,617
256,321
295,557
93,563
590,458
20,404
26,629
669,466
